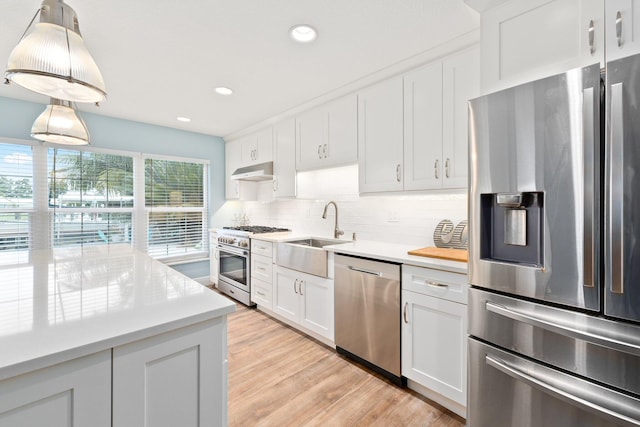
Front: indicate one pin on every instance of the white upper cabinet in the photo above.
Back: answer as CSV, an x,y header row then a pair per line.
x,y
460,83
232,162
380,140
327,135
284,159
257,148
622,22
423,128
413,129
523,40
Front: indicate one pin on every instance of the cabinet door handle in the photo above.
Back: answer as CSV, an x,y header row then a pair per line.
x,y
436,284
398,174
592,38
300,287
404,312
325,151
320,151
447,163
435,169
275,185
295,286
619,28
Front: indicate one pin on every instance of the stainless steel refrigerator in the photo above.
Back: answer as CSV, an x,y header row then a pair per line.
x,y
554,263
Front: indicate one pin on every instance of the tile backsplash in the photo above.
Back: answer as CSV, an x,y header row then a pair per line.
x,y
399,218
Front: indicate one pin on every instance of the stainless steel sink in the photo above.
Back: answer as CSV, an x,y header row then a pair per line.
x,y
306,255
315,242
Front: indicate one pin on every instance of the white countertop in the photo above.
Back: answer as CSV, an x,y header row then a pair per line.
x,y
384,251
395,252
56,305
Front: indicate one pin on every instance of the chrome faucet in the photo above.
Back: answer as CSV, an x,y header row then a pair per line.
x,y
336,232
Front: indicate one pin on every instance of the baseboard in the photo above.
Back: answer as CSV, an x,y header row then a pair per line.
x,y
451,405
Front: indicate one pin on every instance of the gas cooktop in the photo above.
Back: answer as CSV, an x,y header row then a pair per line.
x,y
257,229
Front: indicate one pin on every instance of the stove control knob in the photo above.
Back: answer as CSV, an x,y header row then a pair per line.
x,y
243,243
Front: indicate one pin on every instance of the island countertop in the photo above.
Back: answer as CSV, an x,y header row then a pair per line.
x,y
60,304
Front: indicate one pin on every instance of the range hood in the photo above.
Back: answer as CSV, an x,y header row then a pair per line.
x,y
259,172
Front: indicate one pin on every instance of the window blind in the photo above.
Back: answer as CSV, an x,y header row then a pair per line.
x,y
16,196
90,197
176,208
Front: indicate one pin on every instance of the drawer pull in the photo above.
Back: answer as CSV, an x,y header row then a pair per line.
x,y
436,284
262,294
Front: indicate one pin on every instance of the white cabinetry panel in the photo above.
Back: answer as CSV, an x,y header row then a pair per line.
x,y
327,135
305,300
525,40
77,392
380,137
423,128
176,378
434,334
460,83
232,162
284,159
622,22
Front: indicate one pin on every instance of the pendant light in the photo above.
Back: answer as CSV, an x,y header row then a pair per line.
x,y
60,124
53,60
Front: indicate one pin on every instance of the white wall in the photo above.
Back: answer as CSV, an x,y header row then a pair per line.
x,y
407,218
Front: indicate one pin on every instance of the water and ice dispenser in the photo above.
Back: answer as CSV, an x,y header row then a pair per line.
x,y
512,228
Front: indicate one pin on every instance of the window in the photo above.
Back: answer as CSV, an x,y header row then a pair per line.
x,y
175,202
90,197
52,196
16,196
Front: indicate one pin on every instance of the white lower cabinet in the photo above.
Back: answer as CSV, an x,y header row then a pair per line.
x,y
434,335
305,300
178,378
262,273
77,392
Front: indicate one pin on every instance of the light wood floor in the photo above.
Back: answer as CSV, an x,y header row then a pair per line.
x,y
280,377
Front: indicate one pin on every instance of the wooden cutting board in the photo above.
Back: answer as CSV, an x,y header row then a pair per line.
x,y
442,253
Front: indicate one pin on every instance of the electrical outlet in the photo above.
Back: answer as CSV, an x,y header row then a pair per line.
x,y
393,216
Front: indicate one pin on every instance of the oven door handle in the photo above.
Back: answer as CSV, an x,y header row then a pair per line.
x,y
232,251
566,391
564,327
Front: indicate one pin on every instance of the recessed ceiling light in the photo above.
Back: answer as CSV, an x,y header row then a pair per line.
x,y
303,33
184,119
223,90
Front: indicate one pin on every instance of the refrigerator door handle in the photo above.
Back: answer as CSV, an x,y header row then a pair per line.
x,y
615,248
564,327
565,391
590,189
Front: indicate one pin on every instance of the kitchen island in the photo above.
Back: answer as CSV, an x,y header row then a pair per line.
x,y
106,335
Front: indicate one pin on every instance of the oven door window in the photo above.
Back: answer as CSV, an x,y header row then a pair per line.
x,y
234,268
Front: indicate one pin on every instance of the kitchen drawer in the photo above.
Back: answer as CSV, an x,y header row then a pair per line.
x,y
261,268
261,293
260,247
436,283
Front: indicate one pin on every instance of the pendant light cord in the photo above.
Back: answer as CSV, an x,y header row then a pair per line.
x,y
30,24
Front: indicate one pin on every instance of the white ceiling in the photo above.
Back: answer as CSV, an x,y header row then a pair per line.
x,y
162,59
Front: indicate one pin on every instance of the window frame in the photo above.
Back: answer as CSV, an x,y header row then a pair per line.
x,y
42,215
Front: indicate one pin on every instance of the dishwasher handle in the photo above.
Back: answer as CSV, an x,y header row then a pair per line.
x,y
362,270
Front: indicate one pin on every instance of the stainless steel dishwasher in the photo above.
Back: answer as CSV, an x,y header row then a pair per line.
x,y
367,314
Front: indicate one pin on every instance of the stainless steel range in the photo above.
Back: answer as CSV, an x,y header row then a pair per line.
x,y
234,259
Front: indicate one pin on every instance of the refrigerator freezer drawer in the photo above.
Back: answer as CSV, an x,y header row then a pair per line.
x,y
606,351
507,390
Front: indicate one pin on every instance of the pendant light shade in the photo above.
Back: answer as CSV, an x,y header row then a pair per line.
x,y
60,124
53,59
